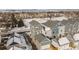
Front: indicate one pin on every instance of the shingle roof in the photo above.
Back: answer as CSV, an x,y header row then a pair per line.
x,y
35,23
42,39
51,23
64,22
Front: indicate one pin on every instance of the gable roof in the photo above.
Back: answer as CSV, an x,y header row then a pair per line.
x,y
17,38
63,41
50,23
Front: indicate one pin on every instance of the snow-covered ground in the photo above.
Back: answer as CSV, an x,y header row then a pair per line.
x,y
40,20
59,18
20,29
43,20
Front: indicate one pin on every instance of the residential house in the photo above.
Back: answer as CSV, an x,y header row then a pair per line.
x,y
61,43
57,28
58,31
35,28
71,26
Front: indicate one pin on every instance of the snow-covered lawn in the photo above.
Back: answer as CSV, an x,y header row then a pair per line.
x,y
40,20
59,18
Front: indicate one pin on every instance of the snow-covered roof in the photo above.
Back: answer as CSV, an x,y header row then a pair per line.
x,y
63,41
35,23
17,38
42,39
20,40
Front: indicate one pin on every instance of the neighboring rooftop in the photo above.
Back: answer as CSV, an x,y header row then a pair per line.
x,y
63,41
50,23
42,39
35,23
